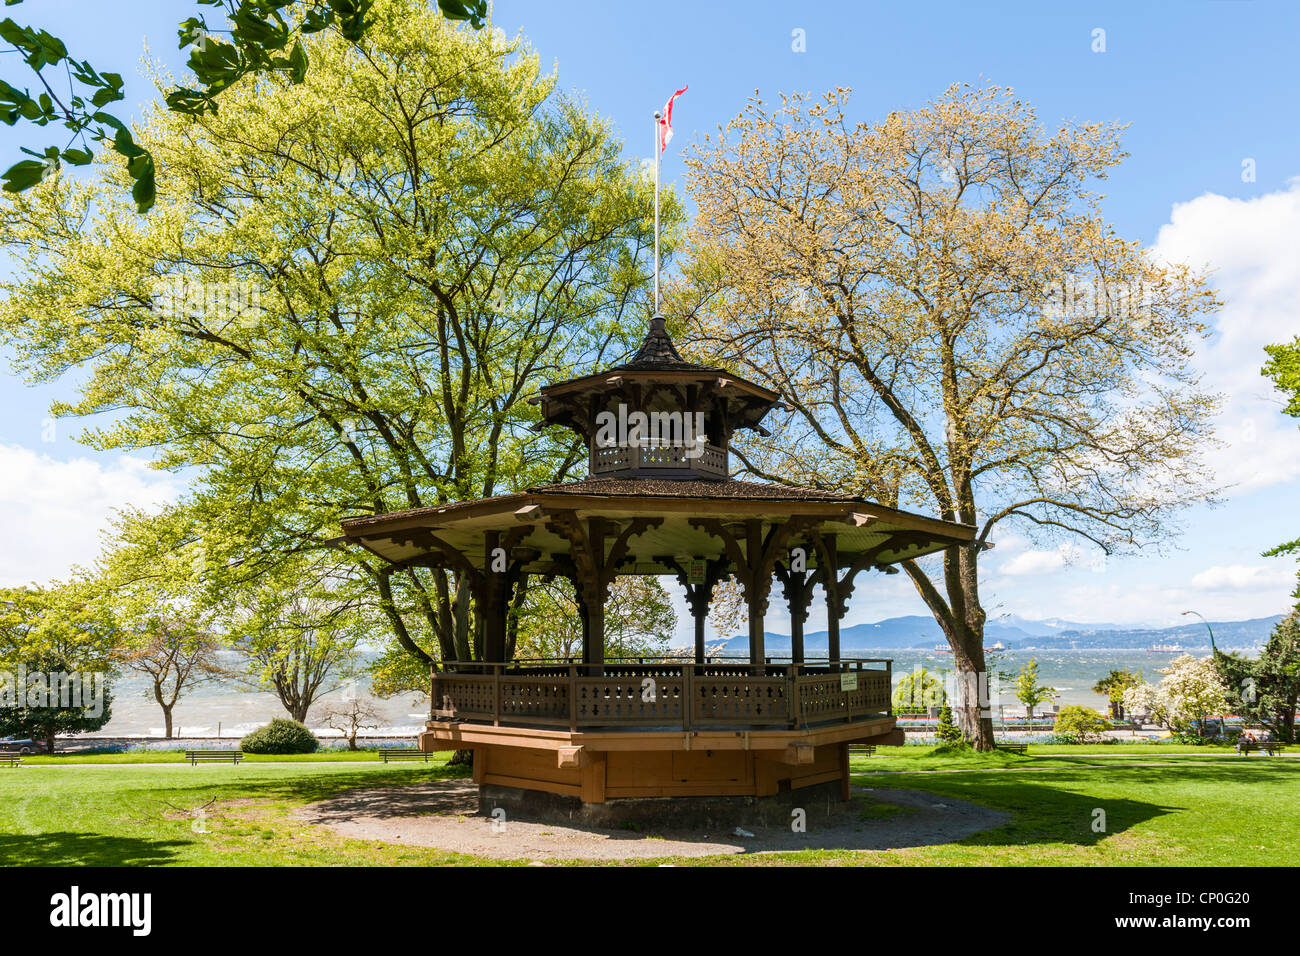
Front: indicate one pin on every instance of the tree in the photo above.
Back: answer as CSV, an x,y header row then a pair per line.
x,y
262,40
955,326
947,730
346,293
351,717
1190,691
1112,687
919,690
639,620
1194,691
168,621
1081,722
299,631
1031,693
175,660
57,653
1267,689
1283,367
1147,701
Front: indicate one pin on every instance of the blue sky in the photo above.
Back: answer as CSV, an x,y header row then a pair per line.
x,y
1205,84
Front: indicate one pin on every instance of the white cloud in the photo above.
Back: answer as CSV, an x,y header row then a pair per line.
x,y
1242,577
1040,562
54,511
1251,246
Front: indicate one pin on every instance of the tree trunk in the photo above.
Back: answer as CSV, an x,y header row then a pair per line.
x,y
49,742
961,577
462,758
960,615
352,742
167,721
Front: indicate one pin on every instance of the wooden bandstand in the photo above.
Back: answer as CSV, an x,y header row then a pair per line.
x,y
658,500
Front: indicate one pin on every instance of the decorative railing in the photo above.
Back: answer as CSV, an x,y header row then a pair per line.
x,y
712,460
647,694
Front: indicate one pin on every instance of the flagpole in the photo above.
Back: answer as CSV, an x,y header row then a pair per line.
x,y
658,141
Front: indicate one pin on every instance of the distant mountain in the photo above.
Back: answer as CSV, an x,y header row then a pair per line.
x,y
1050,626
922,632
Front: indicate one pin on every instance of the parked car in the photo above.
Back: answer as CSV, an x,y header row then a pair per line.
x,y
23,745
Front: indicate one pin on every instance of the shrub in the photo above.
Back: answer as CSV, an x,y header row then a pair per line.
x,y
1196,740
1072,739
280,736
1083,723
947,730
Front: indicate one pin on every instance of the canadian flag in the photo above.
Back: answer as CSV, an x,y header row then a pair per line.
x,y
666,121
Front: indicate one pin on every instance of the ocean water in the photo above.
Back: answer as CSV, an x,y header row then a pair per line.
x,y
234,710
1071,672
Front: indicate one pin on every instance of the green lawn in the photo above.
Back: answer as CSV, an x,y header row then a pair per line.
x,y
1204,809
178,756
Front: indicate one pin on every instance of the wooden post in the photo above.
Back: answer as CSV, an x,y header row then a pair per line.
x,y
756,589
594,637
573,697
844,771
494,596
688,694
797,587
834,606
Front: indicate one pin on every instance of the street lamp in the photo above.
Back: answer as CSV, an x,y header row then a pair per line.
x,y
1213,649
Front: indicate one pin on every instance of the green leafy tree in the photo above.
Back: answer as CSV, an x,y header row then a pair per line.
x,y
169,624
1283,368
1112,687
918,690
264,36
1266,689
1030,692
55,630
299,631
639,620
1083,723
947,730
426,234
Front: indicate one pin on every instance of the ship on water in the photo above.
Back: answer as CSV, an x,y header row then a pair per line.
x,y
1165,649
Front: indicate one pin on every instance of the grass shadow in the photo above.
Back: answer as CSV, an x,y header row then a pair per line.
x,y
63,848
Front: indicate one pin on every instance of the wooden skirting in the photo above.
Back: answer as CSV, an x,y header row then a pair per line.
x,y
627,764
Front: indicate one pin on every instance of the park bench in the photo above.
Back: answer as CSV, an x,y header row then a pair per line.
x,y
862,750
1013,748
405,753
194,756
11,758
1270,747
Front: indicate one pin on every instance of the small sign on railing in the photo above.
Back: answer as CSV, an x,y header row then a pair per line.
x,y
849,680
697,571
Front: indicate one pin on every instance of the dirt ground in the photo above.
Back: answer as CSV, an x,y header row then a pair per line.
x,y
444,815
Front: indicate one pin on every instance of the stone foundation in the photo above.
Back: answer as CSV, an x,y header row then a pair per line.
x,y
712,814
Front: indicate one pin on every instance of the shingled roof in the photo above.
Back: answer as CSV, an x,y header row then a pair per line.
x,y
658,352
691,488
